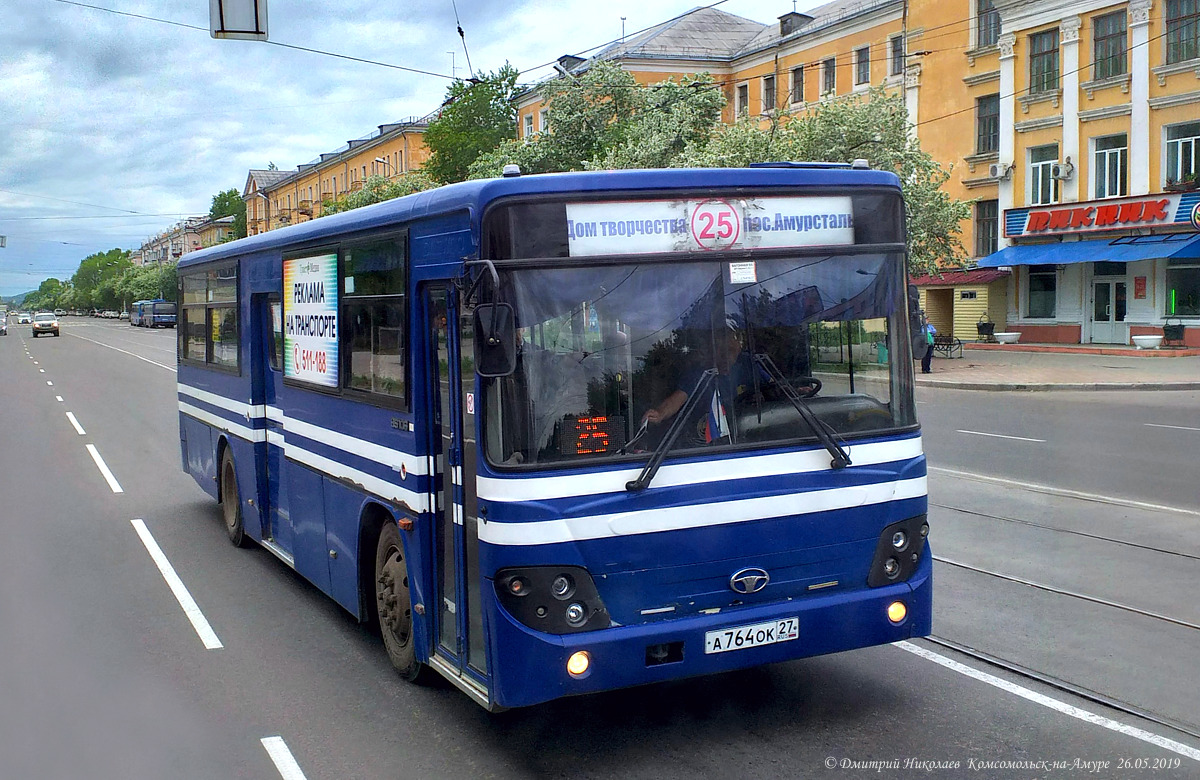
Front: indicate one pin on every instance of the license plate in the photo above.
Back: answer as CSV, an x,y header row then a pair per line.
x,y
741,637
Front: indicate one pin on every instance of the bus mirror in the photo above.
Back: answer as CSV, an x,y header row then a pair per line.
x,y
495,340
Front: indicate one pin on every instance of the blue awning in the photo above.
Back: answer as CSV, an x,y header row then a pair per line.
x,y
1119,250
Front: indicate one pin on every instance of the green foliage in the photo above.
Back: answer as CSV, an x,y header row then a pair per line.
x,y
603,120
874,127
229,203
476,117
147,282
377,189
47,296
94,282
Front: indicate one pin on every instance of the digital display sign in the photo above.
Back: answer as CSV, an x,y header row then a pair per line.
x,y
598,435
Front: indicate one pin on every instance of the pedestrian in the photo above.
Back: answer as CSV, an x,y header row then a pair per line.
x,y
929,331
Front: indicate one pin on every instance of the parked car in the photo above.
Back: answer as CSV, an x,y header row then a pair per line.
x,y
3,326
45,322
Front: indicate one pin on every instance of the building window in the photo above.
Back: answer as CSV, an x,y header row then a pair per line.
x,y
968,295
743,99
829,76
1043,61
798,84
987,23
1183,30
544,120
1108,45
896,55
1183,288
528,133
987,220
1112,166
1043,286
987,124
1043,187
768,94
862,66
374,307
1183,151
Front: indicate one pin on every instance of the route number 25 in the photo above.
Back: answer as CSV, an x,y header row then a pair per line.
x,y
715,225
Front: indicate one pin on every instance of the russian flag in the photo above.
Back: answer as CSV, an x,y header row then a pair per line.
x,y
716,426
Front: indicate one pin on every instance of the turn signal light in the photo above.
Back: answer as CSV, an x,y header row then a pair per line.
x,y
578,663
896,611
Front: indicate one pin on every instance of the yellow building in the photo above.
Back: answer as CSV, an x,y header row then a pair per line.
x,y
278,198
1033,105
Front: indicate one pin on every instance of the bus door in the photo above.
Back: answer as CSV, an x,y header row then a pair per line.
x,y
277,528
454,505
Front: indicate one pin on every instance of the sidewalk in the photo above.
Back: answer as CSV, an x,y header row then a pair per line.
x,y
1010,369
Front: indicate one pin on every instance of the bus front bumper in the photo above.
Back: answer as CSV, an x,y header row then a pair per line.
x,y
532,665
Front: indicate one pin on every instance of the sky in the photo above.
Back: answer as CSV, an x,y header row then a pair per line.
x,y
113,128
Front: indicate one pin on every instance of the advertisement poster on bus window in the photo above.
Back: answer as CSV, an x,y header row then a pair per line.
x,y
715,224
310,332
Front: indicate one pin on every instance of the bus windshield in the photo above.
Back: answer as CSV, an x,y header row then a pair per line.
x,y
609,353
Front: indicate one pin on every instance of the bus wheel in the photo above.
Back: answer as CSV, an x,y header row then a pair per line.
x,y
394,604
231,502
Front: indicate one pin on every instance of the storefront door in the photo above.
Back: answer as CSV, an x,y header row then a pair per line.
x,y
1108,313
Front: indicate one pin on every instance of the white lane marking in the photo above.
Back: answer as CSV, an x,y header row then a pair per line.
x,y
1002,436
36,363
58,398
41,370
285,762
1054,704
126,352
207,635
1173,427
1055,491
78,427
100,464
49,383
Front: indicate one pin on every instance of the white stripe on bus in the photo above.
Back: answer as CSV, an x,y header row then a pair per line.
x,y
811,461
241,431
701,515
417,502
387,456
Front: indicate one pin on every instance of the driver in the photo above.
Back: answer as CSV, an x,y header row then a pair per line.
x,y
735,378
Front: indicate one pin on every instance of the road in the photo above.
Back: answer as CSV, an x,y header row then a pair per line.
x,y
104,675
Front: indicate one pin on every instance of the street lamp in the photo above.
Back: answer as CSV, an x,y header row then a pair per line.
x,y
387,163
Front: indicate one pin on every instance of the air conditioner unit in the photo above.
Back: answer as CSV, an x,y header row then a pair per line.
x,y
1062,170
999,170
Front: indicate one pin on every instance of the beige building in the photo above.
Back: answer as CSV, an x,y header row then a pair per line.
x,y
278,198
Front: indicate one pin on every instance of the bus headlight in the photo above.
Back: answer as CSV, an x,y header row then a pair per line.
x,y
535,596
898,551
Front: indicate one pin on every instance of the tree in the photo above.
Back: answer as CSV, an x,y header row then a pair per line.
x,y
476,117
602,119
376,189
874,127
95,270
229,203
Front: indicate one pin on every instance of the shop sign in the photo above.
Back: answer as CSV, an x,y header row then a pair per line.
x,y
1166,209
1139,287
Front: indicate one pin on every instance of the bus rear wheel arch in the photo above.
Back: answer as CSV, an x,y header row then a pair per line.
x,y
231,500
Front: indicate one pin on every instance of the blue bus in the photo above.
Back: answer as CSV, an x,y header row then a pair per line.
x,y
559,434
155,313
137,313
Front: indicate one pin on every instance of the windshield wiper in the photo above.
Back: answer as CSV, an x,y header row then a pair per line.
x,y
841,458
660,452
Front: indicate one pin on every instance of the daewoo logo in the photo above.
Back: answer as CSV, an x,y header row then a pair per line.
x,y
749,581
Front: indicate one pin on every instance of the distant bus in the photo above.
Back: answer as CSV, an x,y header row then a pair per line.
x,y
504,421
156,313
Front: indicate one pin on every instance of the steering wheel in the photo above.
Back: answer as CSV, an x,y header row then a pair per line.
x,y
813,386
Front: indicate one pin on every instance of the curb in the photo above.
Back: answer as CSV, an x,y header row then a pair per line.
x,y
1056,386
